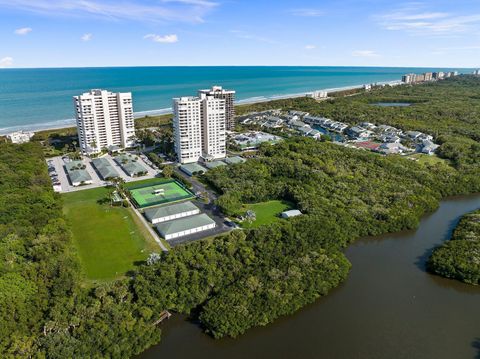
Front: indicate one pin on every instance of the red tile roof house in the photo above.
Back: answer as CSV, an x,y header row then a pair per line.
x,y
368,145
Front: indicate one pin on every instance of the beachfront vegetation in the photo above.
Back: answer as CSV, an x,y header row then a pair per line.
x,y
459,258
153,121
245,278
107,238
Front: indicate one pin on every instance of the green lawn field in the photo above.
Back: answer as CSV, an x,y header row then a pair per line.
x,y
109,239
428,160
266,212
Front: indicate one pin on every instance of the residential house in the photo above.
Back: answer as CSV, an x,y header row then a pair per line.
x,y
359,133
392,148
427,147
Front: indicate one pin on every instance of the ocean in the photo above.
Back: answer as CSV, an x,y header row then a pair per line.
x,y
33,99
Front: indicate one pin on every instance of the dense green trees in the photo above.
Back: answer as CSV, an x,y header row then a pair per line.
x,y
459,258
45,309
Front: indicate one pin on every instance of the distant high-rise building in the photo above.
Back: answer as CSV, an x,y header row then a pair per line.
x,y
229,97
476,72
420,78
104,119
408,78
428,76
199,128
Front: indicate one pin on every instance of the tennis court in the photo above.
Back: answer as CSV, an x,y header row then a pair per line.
x,y
152,195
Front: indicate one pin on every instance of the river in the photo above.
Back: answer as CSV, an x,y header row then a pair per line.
x,y
389,307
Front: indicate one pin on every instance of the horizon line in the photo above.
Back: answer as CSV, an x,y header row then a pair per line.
x,y
166,66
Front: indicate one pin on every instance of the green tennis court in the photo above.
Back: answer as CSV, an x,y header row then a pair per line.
x,y
161,193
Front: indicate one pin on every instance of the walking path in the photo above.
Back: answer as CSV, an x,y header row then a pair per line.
x,y
149,228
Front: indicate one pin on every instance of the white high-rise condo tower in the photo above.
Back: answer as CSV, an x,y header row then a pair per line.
x,y
213,127
104,119
229,97
187,128
199,128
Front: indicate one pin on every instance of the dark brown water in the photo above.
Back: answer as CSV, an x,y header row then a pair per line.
x,y
389,307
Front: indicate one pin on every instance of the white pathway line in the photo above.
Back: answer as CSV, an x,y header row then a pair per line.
x,y
151,231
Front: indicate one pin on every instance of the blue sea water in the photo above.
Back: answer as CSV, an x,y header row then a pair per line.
x,y
42,98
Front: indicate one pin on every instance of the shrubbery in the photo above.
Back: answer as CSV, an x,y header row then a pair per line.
x,y
459,258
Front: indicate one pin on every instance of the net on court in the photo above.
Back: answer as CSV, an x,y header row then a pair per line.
x,y
152,195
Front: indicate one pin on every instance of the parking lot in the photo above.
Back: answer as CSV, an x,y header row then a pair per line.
x,y
61,182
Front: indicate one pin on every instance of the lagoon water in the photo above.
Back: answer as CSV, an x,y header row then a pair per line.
x,y
389,307
42,98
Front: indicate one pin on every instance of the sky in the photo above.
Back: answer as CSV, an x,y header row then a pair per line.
x,y
90,33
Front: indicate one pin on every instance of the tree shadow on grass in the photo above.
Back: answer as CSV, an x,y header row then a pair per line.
x,y
103,201
476,346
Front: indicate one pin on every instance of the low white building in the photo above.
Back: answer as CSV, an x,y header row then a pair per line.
x,y
392,148
185,226
291,213
20,136
428,147
169,213
77,173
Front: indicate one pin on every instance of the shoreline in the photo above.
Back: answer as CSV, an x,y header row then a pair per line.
x,y
70,123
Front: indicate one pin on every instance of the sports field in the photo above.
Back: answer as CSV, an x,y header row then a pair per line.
x,y
161,193
109,240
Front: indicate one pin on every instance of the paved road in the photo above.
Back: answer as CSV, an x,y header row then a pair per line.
x,y
209,208
197,185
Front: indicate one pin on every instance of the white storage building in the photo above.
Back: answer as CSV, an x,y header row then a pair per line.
x,y
168,213
185,226
291,213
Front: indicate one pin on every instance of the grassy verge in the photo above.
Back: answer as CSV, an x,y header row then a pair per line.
x,y
109,240
429,160
266,212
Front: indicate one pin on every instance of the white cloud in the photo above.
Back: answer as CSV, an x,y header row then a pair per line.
x,y
23,31
86,37
164,39
364,53
6,62
192,11
307,12
416,19
310,47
